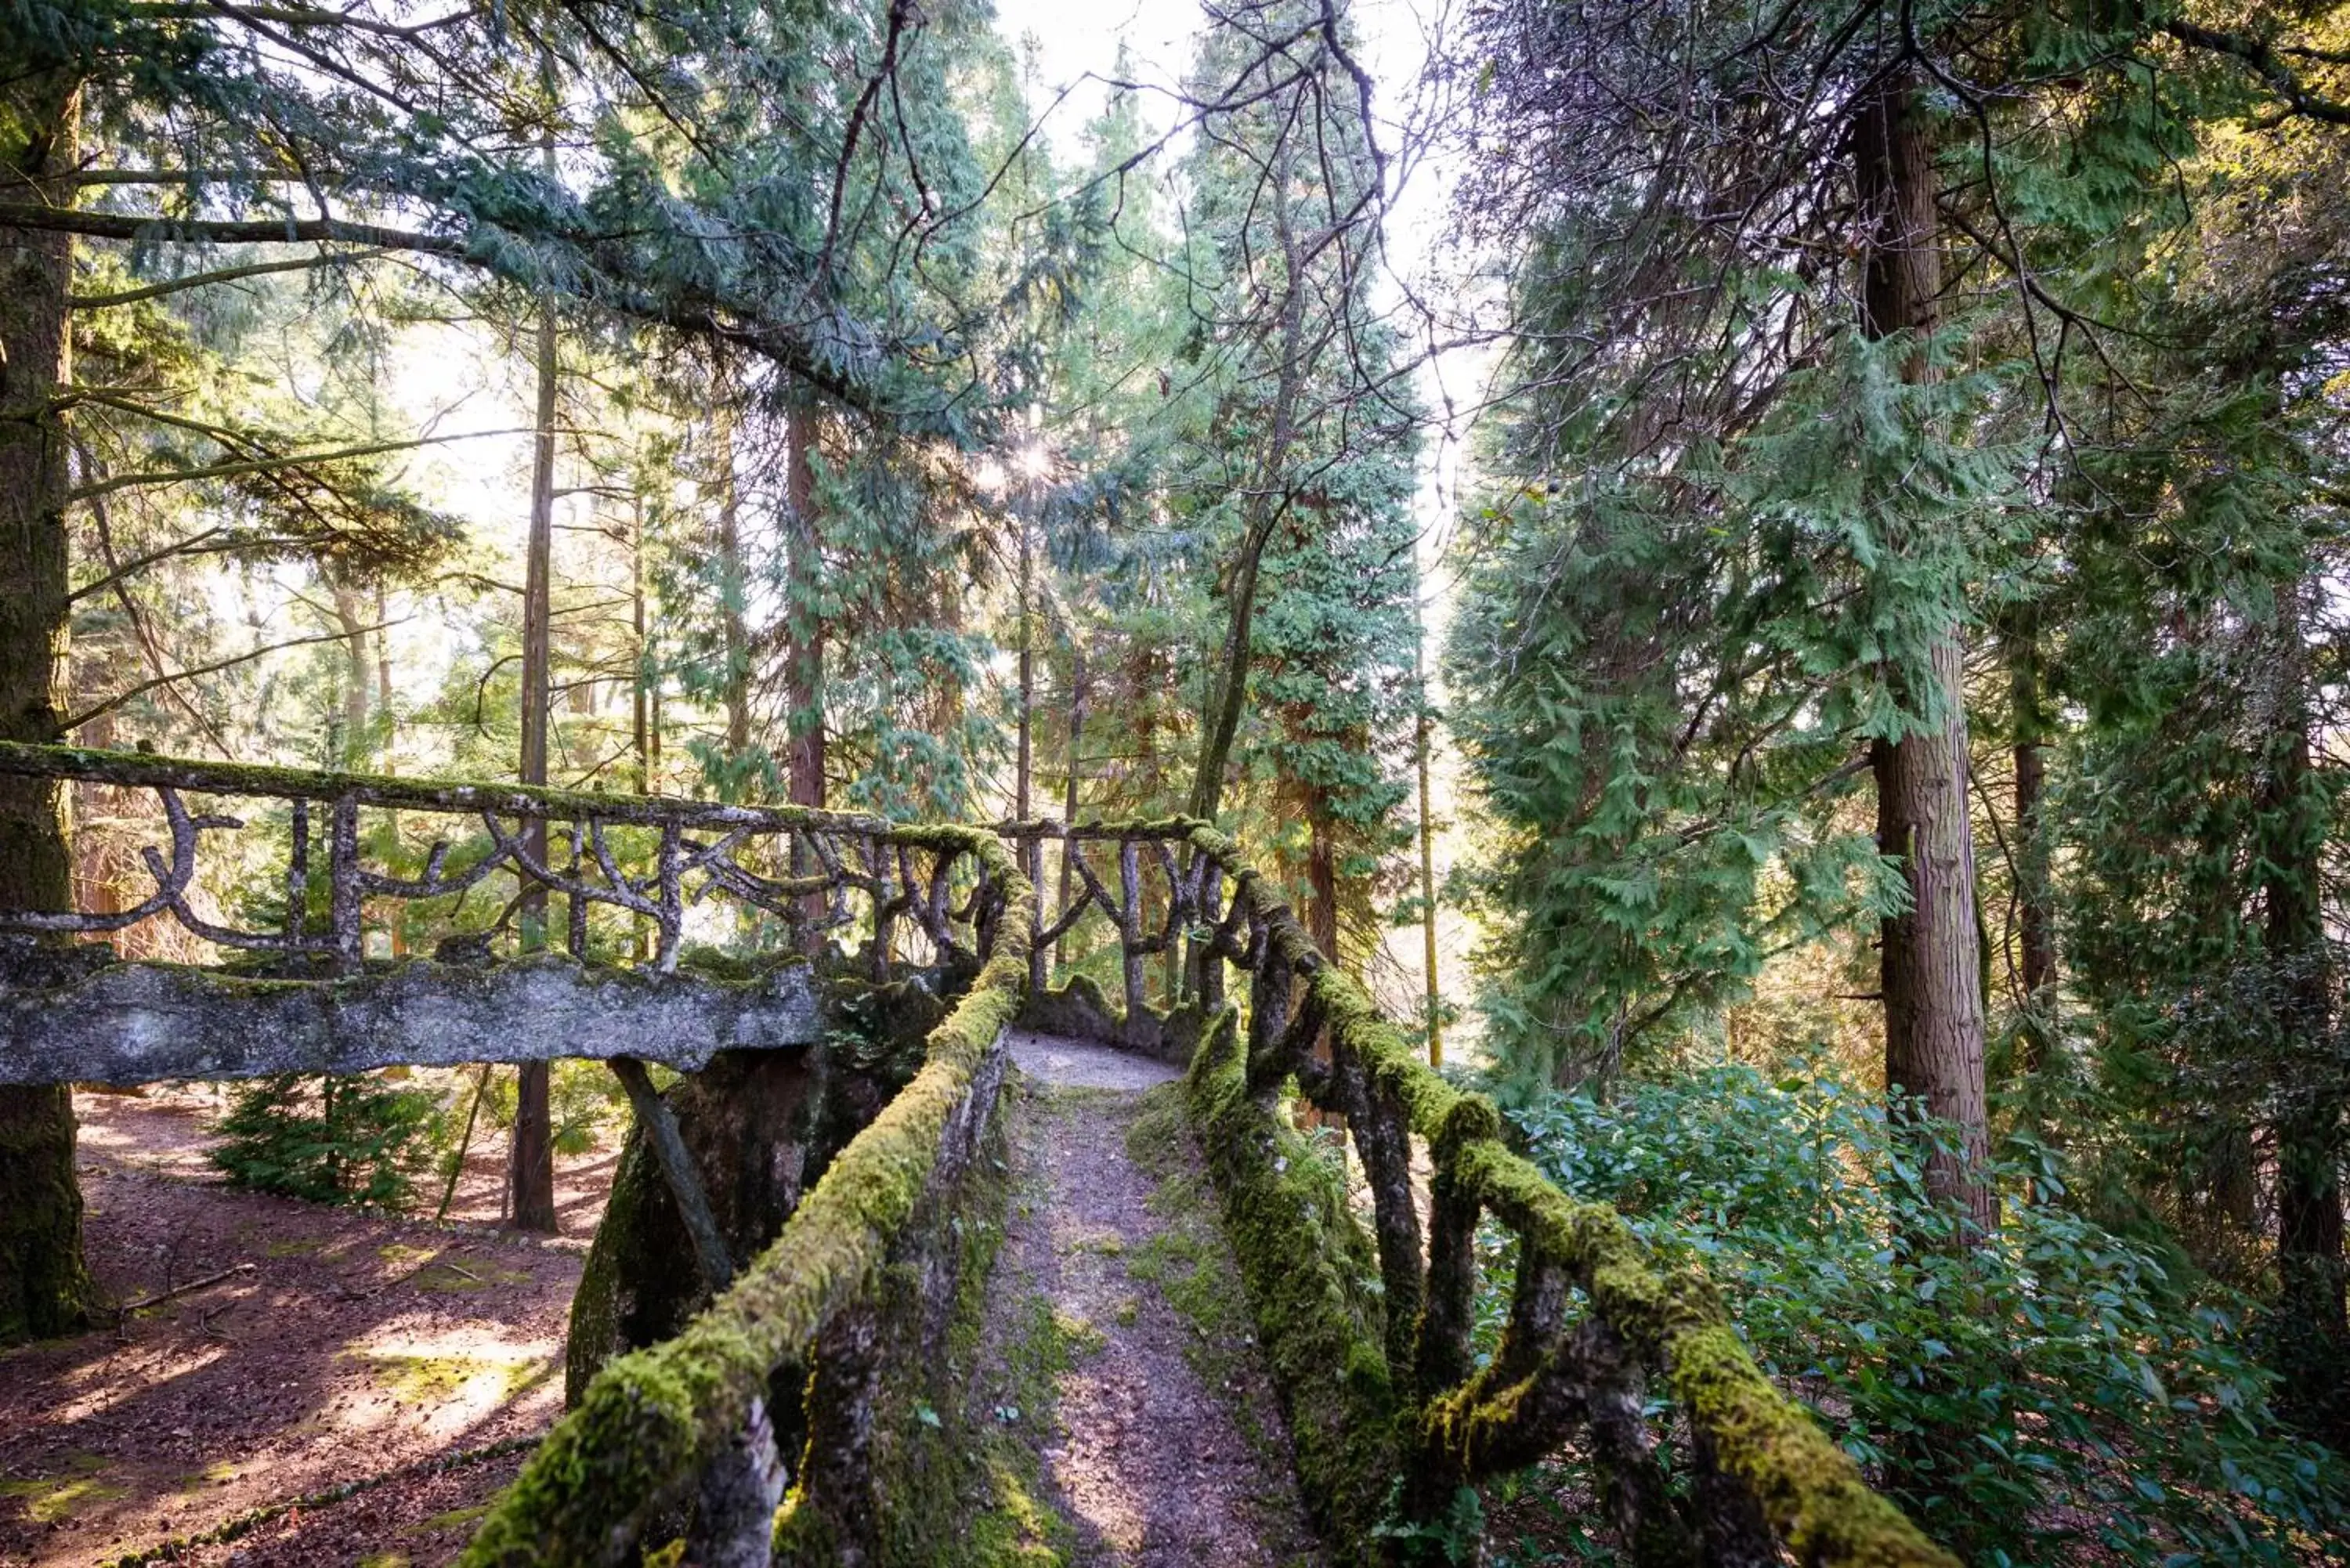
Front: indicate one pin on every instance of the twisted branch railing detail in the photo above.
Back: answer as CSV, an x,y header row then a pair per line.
x,y
696,857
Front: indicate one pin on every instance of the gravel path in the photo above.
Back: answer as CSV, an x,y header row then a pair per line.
x,y
1074,1065
1151,1465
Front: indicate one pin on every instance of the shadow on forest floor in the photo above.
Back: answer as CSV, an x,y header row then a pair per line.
x,y
353,1346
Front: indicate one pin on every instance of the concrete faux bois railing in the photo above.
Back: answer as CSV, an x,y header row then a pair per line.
x,y
1362,1275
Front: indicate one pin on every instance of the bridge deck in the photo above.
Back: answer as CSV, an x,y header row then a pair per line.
x,y
1165,1444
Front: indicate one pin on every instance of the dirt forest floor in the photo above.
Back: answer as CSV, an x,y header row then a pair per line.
x,y
349,1346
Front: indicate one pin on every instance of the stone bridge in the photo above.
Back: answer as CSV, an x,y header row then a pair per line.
x,y
755,1374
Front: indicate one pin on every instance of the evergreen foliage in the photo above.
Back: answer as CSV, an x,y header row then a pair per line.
x,y
327,1139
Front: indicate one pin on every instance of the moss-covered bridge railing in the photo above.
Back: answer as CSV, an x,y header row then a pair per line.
x,y
1371,1328
700,935
1366,1308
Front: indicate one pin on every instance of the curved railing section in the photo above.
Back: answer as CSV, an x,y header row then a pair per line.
x,y
1594,1319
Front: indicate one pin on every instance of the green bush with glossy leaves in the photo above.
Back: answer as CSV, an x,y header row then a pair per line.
x,y
2060,1394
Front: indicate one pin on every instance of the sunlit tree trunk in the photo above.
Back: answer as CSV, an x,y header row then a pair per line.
x,y
44,1287
734,582
1228,677
1025,767
1079,693
803,654
1930,960
358,676
1422,733
530,1171
640,726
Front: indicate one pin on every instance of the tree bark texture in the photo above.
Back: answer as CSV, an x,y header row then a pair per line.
x,y
1931,958
2034,896
350,610
733,581
1422,735
530,1171
804,658
44,1287
2313,1328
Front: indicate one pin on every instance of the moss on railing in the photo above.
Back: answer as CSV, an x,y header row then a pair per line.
x,y
1809,1489
649,1419
1304,1261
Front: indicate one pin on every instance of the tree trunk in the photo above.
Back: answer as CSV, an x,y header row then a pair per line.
x,y
356,678
530,1170
803,654
1422,736
1023,769
1228,680
731,587
2036,937
2035,905
44,1287
1322,874
639,705
1932,960
2314,1330
1079,693
383,706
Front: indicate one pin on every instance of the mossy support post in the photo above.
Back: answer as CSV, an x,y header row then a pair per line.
x,y
1369,1334
677,1168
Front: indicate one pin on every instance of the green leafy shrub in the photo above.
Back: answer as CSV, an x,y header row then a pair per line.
x,y
2058,1396
328,1139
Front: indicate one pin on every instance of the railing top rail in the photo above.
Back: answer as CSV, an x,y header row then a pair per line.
x,y
143,770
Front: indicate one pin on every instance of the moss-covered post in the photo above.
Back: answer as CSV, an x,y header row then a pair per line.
x,y
44,1287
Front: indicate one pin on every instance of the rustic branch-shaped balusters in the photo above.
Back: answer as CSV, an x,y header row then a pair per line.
x,y
1565,1364
699,850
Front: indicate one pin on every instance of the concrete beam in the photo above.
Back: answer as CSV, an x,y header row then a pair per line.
x,y
77,1015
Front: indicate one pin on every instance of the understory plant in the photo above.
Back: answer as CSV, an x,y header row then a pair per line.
x,y
327,1139
2062,1394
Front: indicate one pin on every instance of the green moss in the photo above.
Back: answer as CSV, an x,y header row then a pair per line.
x,y
648,1417
217,1473
434,1380
449,1521
51,1499
1016,1528
1309,1274
1014,1524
